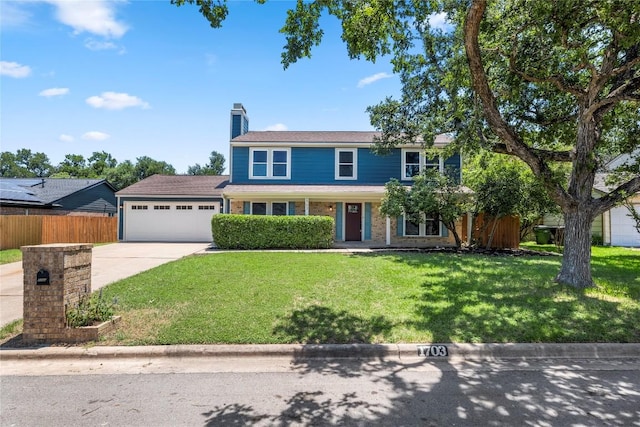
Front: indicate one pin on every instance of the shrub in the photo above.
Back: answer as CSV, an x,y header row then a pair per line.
x,y
88,310
231,231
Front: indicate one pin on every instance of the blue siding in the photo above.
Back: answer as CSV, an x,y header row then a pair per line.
x,y
339,221
367,221
316,166
312,165
373,169
240,171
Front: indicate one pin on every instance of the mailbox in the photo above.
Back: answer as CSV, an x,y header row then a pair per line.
x,y
42,277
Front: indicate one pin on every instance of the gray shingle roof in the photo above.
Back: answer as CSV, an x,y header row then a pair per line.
x,y
177,185
44,191
318,137
307,136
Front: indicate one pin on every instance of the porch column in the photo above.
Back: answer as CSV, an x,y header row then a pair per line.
x,y
388,231
306,206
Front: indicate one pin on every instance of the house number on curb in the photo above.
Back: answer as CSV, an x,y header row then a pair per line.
x,y
433,350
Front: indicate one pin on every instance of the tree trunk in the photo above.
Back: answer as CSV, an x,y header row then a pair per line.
x,y
576,261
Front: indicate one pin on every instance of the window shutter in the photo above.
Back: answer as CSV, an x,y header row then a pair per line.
x,y
247,208
367,221
400,226
444,231
339,221
292,208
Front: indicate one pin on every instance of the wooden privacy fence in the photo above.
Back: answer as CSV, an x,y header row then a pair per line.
x,y
507,231
20,230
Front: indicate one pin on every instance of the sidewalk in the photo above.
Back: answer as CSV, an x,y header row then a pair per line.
x,y
110,263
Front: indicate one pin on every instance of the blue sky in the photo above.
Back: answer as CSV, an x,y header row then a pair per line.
x,y
146,78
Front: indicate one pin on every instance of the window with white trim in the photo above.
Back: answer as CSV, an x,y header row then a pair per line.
x,y
269,163
269,208
346,163
429,226
414,162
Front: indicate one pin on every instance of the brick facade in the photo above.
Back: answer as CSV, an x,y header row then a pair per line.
x,y
378,225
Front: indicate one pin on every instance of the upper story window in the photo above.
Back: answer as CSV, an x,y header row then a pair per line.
x,y
414,162
346,163
269,163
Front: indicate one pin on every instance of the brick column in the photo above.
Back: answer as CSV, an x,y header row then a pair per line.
x,y
69,273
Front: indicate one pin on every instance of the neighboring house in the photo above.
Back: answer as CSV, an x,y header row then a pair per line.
x,y
614,227
56,196
332,173
170,208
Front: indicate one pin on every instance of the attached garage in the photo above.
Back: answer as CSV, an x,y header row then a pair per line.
x,y
165,208
169,221
623,231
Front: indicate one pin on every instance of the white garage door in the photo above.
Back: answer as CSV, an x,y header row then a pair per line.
x,y
623,231
169,221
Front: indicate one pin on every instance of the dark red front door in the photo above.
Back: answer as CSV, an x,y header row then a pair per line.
x,y
353,222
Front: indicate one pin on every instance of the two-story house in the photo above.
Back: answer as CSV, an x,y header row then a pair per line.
x,y
332,173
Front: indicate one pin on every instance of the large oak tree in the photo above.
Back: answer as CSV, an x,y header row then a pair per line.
x,y
546,81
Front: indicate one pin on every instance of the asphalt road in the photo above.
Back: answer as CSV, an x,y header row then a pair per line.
x,y
321,392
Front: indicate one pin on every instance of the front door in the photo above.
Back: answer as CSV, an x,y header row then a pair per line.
x,y
353,222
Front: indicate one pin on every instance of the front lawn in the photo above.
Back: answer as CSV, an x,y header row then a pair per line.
x,y
392,297
10,255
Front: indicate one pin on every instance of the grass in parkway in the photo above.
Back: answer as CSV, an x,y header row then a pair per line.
x,y
391,297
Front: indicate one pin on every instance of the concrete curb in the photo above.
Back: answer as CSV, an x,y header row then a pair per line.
x,y
320,351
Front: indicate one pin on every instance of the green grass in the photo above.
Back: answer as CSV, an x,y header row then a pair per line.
x,y
272,297
10,255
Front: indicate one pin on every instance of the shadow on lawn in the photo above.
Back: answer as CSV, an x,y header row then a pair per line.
x,y
479,298
322,325
388,392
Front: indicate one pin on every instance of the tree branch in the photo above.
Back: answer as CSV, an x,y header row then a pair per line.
x,y
479,81
616,196
548,155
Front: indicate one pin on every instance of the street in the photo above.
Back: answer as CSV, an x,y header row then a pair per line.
x,y
205,391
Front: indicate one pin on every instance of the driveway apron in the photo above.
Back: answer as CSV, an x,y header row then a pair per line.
x,y
110,263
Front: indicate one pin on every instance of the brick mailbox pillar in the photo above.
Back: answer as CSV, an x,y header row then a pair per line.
x,y
55,275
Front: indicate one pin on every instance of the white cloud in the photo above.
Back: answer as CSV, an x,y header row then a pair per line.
x,y
13,15
93,44
374,78
277,127
116,101
13,69
66,138
95,136
439,21
95,17
54,91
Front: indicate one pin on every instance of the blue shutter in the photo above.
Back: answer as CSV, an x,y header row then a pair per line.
x,y
339,221
400,226
292,208
444,230
367,221
247,208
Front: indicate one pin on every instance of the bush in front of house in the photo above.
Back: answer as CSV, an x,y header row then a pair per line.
x,y
232,231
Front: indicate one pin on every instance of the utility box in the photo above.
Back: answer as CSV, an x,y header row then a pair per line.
x,y
55,276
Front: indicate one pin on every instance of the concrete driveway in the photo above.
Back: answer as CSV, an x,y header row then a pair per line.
x,y
110,263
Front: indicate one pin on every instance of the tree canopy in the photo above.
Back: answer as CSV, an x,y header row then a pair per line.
x,y
545,81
